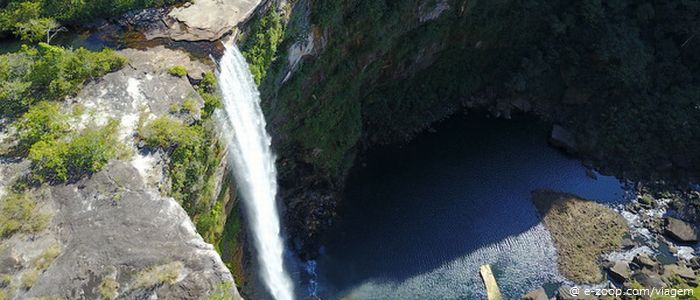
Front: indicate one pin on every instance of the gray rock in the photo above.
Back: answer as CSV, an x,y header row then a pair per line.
x,y
564,139
628,244
111,223
681,230
620,270
10,261
678,270
538,294
649,279
644,261
208,20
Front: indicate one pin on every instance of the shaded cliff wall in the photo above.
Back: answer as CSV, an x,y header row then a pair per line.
x,y
621,75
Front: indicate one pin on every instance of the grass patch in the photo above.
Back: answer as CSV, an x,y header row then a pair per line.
x,y
29,278
19,214
159,275
43,261
178,71
582,230
108,288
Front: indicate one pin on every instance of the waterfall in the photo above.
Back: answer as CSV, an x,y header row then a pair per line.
x,y
254,167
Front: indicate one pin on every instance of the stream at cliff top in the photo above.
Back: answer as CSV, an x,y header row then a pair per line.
x,y
419,220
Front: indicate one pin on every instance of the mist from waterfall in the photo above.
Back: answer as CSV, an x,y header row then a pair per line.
x,y
254,167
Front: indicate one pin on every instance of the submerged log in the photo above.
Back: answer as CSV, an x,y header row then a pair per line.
x,y
492,291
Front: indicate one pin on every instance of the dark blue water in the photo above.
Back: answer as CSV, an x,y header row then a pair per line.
x,y
418,221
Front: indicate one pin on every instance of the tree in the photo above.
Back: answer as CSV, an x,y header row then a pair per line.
x,y
24,20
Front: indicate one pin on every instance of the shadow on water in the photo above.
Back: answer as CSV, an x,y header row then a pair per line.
x,y
447,202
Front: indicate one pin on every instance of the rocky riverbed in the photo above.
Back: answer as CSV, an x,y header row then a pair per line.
x,y
657,252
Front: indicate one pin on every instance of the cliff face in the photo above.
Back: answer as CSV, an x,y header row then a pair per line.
x,y
622,77
115,234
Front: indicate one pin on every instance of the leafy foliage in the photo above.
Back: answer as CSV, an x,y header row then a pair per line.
x,y
194,157
635,65
49,73
24,20
79,154
72,11
178,71
43,122
208,90
259,47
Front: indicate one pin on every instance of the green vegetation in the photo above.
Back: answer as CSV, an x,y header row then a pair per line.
x,y
32,20
195,154
259,47
19,214
221,292
159,275
207,88
43,261
622,74
79,154
209,224
24,20
49,73
108,288
43,122
29,278
194,157
191,106
5,280
178,71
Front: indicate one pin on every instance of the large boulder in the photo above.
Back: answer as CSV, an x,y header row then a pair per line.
x,y
682,271
620,271
208,20
562,138
645,262
681,231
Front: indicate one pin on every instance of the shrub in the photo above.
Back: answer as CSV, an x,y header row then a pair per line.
x,y
24,20
85,152
178,71
18,213
260,46
194,156
165,132
43,122
49,72
208,90
191,106
210,225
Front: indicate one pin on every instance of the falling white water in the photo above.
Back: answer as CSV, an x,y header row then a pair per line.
x,y
254,164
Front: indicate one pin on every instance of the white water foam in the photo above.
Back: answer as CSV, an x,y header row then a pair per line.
x,y
254,166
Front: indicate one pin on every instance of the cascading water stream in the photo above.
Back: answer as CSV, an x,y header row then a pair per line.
x,y
254,166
